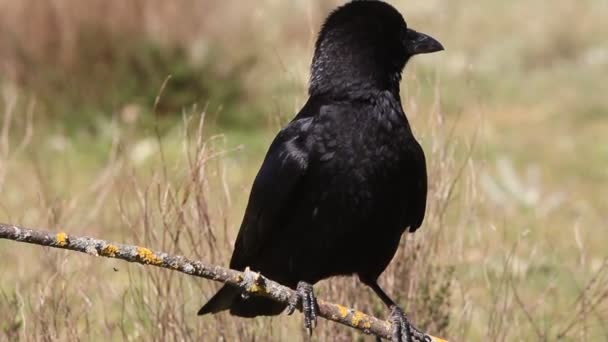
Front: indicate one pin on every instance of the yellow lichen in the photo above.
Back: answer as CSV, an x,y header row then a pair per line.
x,y
343,311
255,288
147,256
62,239
109,251
357,318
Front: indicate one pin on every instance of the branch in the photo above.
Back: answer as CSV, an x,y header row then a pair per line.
x,y
249,282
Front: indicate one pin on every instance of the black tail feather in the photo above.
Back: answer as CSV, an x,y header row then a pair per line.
x,y
221,301
256,306
228,297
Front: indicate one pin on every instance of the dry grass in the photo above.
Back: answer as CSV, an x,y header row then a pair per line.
x,y
512,118
181,206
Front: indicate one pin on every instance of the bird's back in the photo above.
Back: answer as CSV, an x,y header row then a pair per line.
x,y
349,209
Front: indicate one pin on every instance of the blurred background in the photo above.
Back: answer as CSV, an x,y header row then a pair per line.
x,y
145,121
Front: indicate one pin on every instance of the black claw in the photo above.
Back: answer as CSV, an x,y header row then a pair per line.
x,y
403,331
304,296
293,303
401,326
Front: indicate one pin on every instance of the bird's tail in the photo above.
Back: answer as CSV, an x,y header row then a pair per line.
x,y
221,301
228,297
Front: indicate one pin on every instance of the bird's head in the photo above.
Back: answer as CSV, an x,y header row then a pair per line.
x,y
363,46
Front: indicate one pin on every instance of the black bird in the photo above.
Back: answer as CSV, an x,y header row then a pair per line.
x,y
345,178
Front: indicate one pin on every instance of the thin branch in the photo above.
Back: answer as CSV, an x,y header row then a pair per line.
x,y
249,282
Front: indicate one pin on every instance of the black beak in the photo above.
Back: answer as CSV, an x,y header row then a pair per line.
x,y
421,43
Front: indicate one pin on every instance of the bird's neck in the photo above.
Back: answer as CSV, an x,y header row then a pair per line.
x,y
339,88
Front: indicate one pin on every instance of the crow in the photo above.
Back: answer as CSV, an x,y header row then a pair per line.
x,y
345,178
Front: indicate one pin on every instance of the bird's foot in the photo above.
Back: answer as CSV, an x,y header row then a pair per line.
x,y
403,331
305,296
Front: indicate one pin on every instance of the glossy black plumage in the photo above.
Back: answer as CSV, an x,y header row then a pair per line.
x,y
345,178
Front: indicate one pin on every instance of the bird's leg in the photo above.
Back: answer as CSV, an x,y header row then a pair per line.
x,y
305,296
403,331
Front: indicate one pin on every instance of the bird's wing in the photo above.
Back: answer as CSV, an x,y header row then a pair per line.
x,y
417,186
275,185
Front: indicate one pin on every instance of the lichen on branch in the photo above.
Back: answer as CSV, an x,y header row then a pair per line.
x,y
248,281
